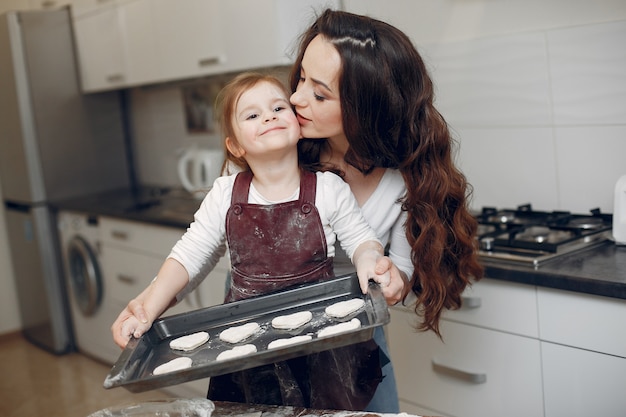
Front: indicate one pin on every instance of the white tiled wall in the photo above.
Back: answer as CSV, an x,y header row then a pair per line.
x,y
536,100
540,116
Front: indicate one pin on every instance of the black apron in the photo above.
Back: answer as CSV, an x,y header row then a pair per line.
x,y
276,247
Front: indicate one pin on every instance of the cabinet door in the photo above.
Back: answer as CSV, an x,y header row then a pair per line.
x,y
263,33
140,47
582,320
581,383
100,47
188,36
474,372
499,305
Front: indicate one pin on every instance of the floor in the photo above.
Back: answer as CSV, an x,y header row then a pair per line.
x,y
37,383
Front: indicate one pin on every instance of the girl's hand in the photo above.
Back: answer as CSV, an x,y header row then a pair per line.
x,y
132,321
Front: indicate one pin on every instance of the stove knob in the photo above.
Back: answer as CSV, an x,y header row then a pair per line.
x,y
486,243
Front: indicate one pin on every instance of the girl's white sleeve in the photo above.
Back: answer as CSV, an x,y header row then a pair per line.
x,y
204,243
344,214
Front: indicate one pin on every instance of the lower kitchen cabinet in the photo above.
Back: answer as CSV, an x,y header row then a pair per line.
x,y
488,363
581,383
584,353
514,350
132,254
473,372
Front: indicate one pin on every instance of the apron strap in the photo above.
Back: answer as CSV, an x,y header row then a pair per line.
x,y
241,188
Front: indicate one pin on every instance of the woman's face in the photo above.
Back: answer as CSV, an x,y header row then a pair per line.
x,y
316,99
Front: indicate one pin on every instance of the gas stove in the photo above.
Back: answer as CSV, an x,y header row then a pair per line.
x,y
530,237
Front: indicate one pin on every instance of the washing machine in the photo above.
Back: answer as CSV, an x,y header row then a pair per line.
x,y
92,316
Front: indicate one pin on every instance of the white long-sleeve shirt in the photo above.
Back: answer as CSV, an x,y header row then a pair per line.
x,y
204,243
384,214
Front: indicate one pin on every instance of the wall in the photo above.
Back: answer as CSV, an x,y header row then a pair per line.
x,y
535,92
160,130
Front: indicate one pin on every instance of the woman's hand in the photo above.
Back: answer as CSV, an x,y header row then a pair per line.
x,y
132,321
395,287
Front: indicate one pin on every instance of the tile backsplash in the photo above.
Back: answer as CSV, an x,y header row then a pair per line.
x,y
540,117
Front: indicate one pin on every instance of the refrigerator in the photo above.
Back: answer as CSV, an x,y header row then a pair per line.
x,y
55,143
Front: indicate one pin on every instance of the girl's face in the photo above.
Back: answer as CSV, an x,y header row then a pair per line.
x,y
316,99
263,122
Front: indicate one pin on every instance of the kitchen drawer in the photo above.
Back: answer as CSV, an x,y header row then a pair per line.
x,y
474,372
139,237
499,305
582,320
580,383
127,274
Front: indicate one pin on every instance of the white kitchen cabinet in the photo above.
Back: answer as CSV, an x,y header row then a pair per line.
x,y
189,37
132,253
581,383
584,353
487,365
49,4
114,43
264,33
125,43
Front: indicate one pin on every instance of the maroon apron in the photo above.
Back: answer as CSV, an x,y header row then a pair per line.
x,y
276,247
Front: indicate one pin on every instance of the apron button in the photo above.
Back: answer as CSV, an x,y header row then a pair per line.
x,y
237,210
306,208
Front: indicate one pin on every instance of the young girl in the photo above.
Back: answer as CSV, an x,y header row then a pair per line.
x,y
280,224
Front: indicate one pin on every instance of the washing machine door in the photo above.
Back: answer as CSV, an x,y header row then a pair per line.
x,y
84,275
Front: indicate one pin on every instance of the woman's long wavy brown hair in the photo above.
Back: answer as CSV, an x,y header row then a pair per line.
x,y
390,121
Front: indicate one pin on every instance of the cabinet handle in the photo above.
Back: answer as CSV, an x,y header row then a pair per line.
x,y
462,374
118,234
115,78
126,279
205,62
471,302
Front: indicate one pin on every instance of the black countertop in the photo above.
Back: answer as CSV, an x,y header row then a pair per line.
x,y
156,205
599,270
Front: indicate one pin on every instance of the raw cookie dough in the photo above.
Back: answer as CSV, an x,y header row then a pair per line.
x,y
236,352
173,365
343,308
288,341
340,328
292,321
189,342
236,334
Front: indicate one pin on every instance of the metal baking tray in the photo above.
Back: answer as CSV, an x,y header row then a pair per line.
x,y
133,369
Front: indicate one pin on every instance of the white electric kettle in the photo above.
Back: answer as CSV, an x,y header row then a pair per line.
x,y
198,168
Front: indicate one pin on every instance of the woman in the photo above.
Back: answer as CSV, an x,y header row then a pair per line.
x,y
364,101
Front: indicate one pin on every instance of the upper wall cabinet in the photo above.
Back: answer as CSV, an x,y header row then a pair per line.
x,y
115,44
124,43
188,37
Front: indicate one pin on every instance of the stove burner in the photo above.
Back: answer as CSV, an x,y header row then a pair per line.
x,y
502,218
586,223
541,234
529,236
